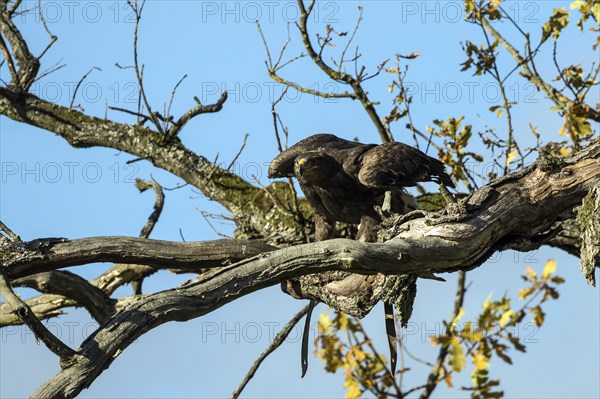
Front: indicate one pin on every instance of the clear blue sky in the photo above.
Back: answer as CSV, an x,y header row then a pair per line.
x,y
49,189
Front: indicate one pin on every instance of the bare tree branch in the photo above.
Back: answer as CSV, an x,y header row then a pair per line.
x,y
276,343
354,82
43,306
434,375
53,38
139,72
24,312
173,92
144,185
9,61
14,237
79,84
553,94
197,110
55,253
28,65
73,287
235,158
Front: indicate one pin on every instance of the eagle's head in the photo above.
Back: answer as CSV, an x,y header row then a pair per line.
x,y
283,164
315,168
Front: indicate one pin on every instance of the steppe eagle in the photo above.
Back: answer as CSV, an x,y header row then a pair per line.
x,y
344,180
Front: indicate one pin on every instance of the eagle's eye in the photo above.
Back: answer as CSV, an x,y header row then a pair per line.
x,y
303,164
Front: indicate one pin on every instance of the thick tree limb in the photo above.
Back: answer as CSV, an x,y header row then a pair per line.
x,y
588,218
507,211
568,237
50,254
83,131
71,286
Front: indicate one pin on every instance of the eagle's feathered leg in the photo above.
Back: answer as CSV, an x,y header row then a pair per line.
x,y
324,227
367,232
324,230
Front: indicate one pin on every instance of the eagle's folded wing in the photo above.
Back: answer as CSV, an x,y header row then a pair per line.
x,y
399,165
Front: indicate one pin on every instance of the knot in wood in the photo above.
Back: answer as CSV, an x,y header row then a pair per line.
x,y
21,312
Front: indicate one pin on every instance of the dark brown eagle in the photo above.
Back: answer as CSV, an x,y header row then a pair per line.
x,y
344,180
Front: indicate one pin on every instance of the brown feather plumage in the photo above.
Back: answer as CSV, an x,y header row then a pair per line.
x,y
344,180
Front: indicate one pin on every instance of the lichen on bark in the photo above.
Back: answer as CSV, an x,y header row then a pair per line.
x,y
588,218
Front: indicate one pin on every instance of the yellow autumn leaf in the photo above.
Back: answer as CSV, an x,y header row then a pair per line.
x,y
512,155
538,317
596,11
350,362
353,391
466,332
457,356
576,4
549,269
481,362
499,112
564,151
448,380
530,272
342,321
487,302
325,323
561,131
507,317
358,354
525,292
459,316
434,340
